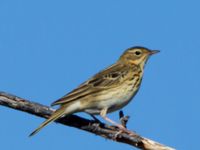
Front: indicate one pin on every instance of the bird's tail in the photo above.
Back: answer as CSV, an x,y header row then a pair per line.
x,y
57,114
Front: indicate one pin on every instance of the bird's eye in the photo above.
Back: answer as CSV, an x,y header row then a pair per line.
x,y
137,53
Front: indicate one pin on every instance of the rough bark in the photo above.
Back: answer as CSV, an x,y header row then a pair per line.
x,y
91,126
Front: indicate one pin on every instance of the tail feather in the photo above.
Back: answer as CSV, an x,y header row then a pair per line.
x,y
59,113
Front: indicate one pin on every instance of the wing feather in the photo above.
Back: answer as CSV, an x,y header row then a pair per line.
x,y
105,79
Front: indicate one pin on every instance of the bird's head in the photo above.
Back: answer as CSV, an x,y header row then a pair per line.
x,y
137,55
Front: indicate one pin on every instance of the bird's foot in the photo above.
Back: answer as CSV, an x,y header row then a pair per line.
x,y
125,130
121,131
116,135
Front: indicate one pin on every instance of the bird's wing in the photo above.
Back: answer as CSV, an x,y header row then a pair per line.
x,y
104,80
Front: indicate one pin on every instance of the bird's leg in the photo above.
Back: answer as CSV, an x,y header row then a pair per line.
x,y
95,118
103,115
96,122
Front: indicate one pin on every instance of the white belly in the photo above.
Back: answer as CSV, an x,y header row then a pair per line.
x,y
114,101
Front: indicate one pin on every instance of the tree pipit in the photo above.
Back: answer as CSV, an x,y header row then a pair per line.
x,y
107,91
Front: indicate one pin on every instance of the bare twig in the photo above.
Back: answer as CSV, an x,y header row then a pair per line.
x,y
123,119
91,126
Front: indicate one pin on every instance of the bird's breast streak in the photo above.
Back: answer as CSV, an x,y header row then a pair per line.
x,y
123,95
115,99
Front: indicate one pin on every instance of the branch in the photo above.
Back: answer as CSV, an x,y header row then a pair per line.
x,y
91,126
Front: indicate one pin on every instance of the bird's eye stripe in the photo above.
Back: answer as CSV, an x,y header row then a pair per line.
x,y
136,50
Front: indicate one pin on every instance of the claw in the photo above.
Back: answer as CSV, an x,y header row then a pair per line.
x,y
116,135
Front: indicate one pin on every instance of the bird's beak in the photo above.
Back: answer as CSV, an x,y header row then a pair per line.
x,y
154,52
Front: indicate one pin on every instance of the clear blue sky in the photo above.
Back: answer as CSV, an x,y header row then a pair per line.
x,y
49,47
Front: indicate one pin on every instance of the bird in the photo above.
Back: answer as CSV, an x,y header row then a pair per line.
x,y
107,91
